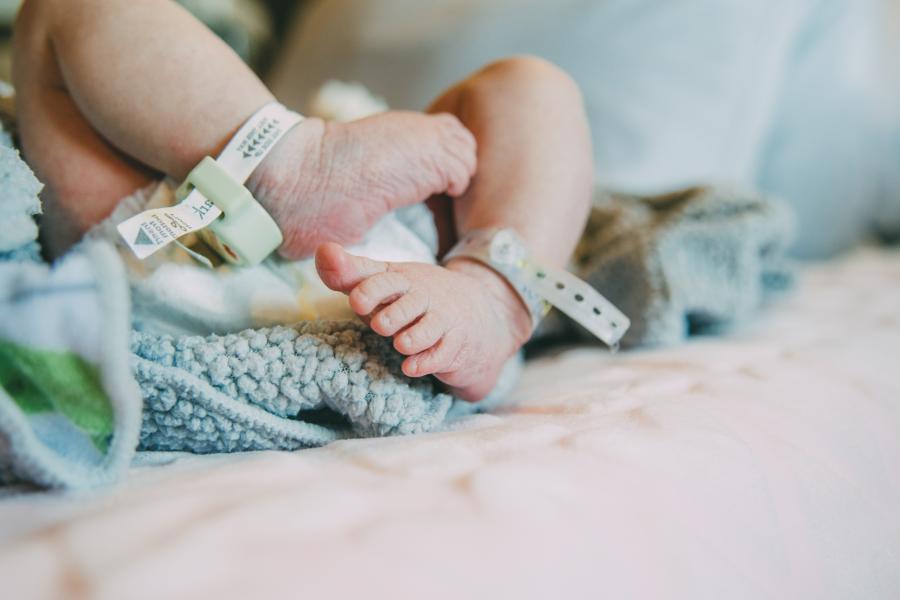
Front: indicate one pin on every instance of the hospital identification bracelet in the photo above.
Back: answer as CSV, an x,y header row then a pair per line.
x,y
214,200
503,251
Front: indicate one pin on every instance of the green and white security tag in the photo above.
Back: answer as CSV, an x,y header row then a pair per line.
x,y
222,179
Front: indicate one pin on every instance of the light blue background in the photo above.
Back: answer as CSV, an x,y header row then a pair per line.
x,y
777,94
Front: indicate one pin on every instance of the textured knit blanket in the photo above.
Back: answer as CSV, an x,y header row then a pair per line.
x,y
283,388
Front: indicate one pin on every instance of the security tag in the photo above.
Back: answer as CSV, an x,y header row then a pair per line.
x,y
154,229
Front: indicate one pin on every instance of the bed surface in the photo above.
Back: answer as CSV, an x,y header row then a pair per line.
x,y
765,464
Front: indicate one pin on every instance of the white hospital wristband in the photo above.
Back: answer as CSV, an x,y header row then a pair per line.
x,y
503,251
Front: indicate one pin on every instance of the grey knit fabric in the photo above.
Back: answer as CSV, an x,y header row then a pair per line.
x,y
694,261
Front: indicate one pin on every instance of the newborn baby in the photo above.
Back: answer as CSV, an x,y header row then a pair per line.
x,y
116,94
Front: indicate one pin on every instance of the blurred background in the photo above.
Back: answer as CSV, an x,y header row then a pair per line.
x,y
796,98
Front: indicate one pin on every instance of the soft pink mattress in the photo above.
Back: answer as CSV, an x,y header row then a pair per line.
x,y
765,464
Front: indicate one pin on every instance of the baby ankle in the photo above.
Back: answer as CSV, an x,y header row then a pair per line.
x,y
520,325
289,174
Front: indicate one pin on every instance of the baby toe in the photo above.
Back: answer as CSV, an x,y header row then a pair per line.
x,y
342,271
377,290
420,337
437,359
468,151
400,313
458,179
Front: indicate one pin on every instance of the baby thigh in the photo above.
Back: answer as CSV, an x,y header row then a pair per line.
x,y
83,175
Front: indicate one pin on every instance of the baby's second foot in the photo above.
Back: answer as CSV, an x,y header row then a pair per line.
x,y
460,323
334,181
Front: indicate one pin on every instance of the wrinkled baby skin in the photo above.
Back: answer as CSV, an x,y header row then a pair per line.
x,y
334,181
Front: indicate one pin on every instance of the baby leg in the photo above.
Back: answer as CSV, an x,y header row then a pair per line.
x,y
535,174
535,164
106,101
116,93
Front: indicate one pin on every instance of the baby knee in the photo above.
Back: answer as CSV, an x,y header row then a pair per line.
x,y
532,75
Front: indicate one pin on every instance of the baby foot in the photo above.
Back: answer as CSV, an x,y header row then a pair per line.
x,y
460,323
334,181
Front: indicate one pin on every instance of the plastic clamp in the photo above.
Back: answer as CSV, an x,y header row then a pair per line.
x,y
245,234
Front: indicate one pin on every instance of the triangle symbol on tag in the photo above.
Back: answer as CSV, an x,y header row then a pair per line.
x,y
142,238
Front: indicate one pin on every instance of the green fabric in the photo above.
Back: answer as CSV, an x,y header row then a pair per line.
x,y
42,381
